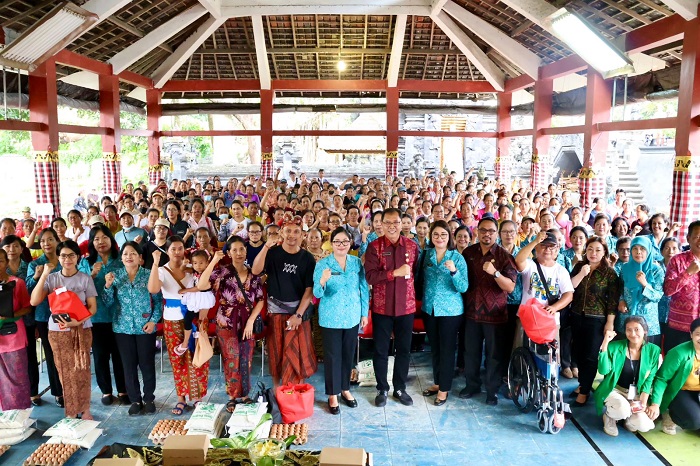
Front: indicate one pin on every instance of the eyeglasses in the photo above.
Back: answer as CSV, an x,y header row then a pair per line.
x,y
508,232
549,247
254,232
484,231
68,256
441,235
341,243
397,223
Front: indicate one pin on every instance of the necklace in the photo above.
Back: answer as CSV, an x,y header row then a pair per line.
x,y
71,275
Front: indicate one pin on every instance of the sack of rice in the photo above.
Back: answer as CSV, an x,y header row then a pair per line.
x,y
71,428
205,416
18,438
246,416
366,376
212,433
86,441
14,418
14,432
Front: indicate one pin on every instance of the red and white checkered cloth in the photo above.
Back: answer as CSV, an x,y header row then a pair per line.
x,y
266,165
112,172
392,163
47,182
502,168
685,198
591,184
155,173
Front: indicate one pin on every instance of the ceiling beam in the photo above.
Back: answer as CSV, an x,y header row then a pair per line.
x,y
491,72
212,6
171,64
507,47
534,10
134,31
688,9
155,38
436,6
261,52
327,50
337,7
396,48
105,8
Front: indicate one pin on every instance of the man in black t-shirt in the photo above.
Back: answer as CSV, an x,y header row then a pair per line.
x,y
290,284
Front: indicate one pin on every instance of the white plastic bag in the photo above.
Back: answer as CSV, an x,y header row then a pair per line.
x,y
87,441
246,416
205,416
20,438
71,428
14,418
5,433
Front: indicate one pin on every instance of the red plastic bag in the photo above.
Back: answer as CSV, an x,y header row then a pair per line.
x,y
295,401
62,301
540,326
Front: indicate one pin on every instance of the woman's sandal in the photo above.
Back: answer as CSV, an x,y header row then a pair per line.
x,y
179,350
231,405
179,408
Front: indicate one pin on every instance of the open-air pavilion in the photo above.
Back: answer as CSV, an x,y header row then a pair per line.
x,y
155,50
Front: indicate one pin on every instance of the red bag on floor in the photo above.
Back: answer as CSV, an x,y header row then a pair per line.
x,y
540,326
295,401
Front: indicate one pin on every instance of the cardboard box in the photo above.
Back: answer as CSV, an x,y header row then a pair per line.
x,y
185,450
343,457
118,462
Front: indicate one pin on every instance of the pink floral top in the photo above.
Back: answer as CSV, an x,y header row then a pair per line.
x,y
684,291
233,312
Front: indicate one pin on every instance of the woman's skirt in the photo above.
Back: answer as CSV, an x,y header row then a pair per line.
x,y
14,380
71,352
190,381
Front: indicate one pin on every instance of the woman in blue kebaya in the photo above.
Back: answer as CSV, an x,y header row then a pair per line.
x,y
445,279
339,279
643,281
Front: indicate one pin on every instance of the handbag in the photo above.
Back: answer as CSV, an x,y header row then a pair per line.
x,y
203,351
306,316
63,301
8,325
267,395
258,324
296,401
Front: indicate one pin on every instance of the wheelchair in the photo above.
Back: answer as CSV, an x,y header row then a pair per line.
x,y
533,374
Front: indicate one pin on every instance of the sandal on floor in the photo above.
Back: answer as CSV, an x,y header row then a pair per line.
x,y
179,350
231,405
59,402
196,403
179,408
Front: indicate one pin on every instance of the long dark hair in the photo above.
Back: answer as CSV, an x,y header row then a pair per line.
x,y
92,252
596,239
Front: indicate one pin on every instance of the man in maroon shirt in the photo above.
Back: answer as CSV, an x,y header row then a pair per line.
x,y
492,276
389,266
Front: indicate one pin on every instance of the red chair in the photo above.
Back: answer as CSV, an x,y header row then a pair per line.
x,y
365,334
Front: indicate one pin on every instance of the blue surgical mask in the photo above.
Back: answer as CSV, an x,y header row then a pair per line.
x,y
223,217
207,198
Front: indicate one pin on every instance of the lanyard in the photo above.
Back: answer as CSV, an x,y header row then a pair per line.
x,y
634,373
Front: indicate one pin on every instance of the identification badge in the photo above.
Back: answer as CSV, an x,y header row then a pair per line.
x,y
632,393
386,254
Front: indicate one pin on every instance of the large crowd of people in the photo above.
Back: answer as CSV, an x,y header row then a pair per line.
x,y
323,261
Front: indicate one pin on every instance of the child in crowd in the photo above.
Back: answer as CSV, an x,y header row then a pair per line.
x,y
196,301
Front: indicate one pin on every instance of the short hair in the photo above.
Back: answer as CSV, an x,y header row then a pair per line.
x,y
670,239
255,223
391,211
172,240
10,239
200,253
693,226
488,219
694,325
68,244
579,228
643,207
338,231
641,321
133,244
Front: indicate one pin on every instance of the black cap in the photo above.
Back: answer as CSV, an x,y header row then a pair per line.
x,y
550,239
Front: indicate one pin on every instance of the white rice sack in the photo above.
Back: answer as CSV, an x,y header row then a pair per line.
x,y
20,438
246,416
87,441
204,416
5,433
213,433
14,418
365,366
71,428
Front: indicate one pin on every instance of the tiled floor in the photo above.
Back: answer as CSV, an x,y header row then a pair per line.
x,y
460,432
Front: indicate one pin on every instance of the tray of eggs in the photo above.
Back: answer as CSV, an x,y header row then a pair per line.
x,y
282,431
51,455
165,428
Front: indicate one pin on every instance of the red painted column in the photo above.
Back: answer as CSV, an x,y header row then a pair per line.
x,y
43,108
591,178
153,113
267,97
542,113
503,122
685,199
392,132
111,142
